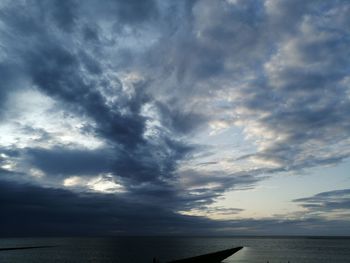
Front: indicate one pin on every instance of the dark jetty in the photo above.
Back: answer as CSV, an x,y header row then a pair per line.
x,y
18,248
215,257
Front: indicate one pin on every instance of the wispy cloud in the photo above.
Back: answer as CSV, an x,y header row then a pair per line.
x,y
328,204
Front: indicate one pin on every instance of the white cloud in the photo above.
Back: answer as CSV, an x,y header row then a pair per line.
x,y
104,183
34,119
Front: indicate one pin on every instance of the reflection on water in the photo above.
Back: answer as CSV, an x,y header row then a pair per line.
x,y
143,249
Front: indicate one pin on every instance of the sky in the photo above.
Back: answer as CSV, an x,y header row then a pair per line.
x,y
186,117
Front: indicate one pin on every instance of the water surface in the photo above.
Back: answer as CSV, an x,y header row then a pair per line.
x,y
143,249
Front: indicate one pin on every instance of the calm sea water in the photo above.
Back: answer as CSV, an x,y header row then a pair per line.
x,y
143,249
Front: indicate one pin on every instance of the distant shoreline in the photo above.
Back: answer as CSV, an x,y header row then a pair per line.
x,y
190,236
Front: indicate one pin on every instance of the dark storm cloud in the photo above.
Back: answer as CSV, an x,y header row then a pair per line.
x,y
148,164
55,65
34,211
61,212
285,63
50,211
43,42
55,70
58,161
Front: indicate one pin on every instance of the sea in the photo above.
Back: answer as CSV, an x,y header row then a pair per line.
x,y
144,249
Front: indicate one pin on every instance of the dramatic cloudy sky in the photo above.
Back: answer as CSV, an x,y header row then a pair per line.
x,y
174,117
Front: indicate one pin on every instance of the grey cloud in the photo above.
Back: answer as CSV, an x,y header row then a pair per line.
x,y
327,202
301,100
10,81
64,12
283,62
123,12
179,120
224,211
200,189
